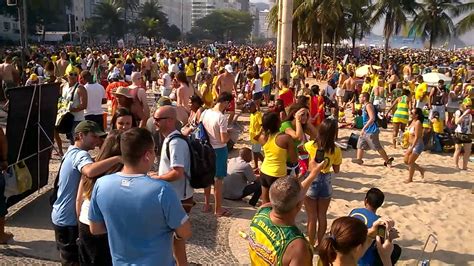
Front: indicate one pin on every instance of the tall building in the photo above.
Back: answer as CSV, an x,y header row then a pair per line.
x,y
9,29
78,15
202,8
263,25
178,12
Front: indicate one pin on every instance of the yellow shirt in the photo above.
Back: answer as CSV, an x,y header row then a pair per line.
x,y
374,80
206,97
267,61
189,69
274,163
266,78
420,90
255,126
366,87
438,126
334,158
198,63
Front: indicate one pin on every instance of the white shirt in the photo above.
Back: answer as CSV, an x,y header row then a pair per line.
x,y
84,216
329,92
173,68
257,86
215,123
67,94
95,94
166,81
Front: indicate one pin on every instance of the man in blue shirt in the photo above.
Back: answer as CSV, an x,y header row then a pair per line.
x,y
76,163
140,214
369,135
373,200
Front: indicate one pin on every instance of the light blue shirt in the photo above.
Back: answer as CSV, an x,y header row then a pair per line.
x,y
140,214
64,208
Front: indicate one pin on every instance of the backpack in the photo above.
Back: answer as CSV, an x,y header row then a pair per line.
x,y
137,105
202,156
380,120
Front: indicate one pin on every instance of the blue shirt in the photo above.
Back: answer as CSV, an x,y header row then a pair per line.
x,y
368,217
64,208
128,69
140,214
373,128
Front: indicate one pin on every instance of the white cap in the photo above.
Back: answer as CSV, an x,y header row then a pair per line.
x,y
258,61
228,68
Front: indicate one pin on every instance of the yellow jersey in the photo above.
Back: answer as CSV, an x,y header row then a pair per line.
x,y
335,158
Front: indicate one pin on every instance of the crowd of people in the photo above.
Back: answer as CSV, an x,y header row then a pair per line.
x,y
130,204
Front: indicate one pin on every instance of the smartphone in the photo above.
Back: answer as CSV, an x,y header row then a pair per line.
x,y
319,156
381,231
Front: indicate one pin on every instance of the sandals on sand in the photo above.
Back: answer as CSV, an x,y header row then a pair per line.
x,y
389,162
224,213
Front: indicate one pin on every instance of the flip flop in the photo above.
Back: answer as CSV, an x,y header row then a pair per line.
x,y
224,213
389,162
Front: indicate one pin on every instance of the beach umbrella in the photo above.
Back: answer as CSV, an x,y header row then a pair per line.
x,y
433,78
364,70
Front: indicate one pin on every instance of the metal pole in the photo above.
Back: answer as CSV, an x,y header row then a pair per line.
x,y
70,30
278,65
286,38
23,28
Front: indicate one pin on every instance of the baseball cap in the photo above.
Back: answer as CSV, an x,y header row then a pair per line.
x,y
228,68
89,126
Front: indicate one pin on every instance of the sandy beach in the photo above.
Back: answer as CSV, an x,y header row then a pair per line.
x,y
441,204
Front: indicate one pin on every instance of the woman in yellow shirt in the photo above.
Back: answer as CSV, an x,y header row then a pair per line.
x,y
319,194
278,149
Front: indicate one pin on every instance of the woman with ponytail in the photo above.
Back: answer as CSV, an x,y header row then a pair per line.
x,y
349,239
278,148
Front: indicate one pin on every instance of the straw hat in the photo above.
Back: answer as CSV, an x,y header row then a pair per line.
x,y
124,91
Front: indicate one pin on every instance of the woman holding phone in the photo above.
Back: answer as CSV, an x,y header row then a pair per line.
x,y
319,194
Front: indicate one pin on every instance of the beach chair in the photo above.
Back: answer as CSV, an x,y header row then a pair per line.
x,y
428,250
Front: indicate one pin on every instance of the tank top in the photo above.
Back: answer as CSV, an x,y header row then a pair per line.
x,y
267,241
401,114
365,118
274,163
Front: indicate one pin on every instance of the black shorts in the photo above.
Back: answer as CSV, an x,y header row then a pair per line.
x,y
348,96
267,180
460,138
257,96
93,249
66,242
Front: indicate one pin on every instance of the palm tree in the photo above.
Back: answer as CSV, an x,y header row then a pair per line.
x,y
107,19
395,13
149,28
358,13
435,20
467,23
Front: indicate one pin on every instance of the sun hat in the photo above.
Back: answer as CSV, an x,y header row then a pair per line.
x,y
124,91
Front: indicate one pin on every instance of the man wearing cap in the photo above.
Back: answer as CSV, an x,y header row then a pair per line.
x,y
226,83
76,95
76,163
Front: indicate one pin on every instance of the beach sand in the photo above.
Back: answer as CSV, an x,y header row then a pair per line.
x,y
441,204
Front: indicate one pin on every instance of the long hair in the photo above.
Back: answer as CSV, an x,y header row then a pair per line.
x,y
181,77
110,148
419,114
327,135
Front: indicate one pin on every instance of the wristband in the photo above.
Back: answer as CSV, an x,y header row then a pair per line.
x,y
177,237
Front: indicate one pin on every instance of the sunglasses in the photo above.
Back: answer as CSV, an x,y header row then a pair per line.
x,y
158,119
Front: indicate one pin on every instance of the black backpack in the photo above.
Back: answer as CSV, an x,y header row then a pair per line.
x,y
203,160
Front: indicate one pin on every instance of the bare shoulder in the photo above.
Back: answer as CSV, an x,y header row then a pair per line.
x,y
297,253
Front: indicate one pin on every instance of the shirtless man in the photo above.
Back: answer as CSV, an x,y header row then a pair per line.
x,y
61,65
226,82
407,71
140,101
349,87
8,75
339,90
146,67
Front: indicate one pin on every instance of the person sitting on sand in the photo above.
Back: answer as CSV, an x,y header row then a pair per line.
x,y
373,200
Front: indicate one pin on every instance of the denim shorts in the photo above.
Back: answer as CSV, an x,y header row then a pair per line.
x,y
221,162
419,147
321,188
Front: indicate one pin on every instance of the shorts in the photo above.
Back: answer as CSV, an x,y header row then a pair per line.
x,y
188,204
3,200
267,89
267,180
257,148
340,92
419,147
369,141
321,187
66,242
348,95
148,75
221,162
231,106
460,138
257,96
